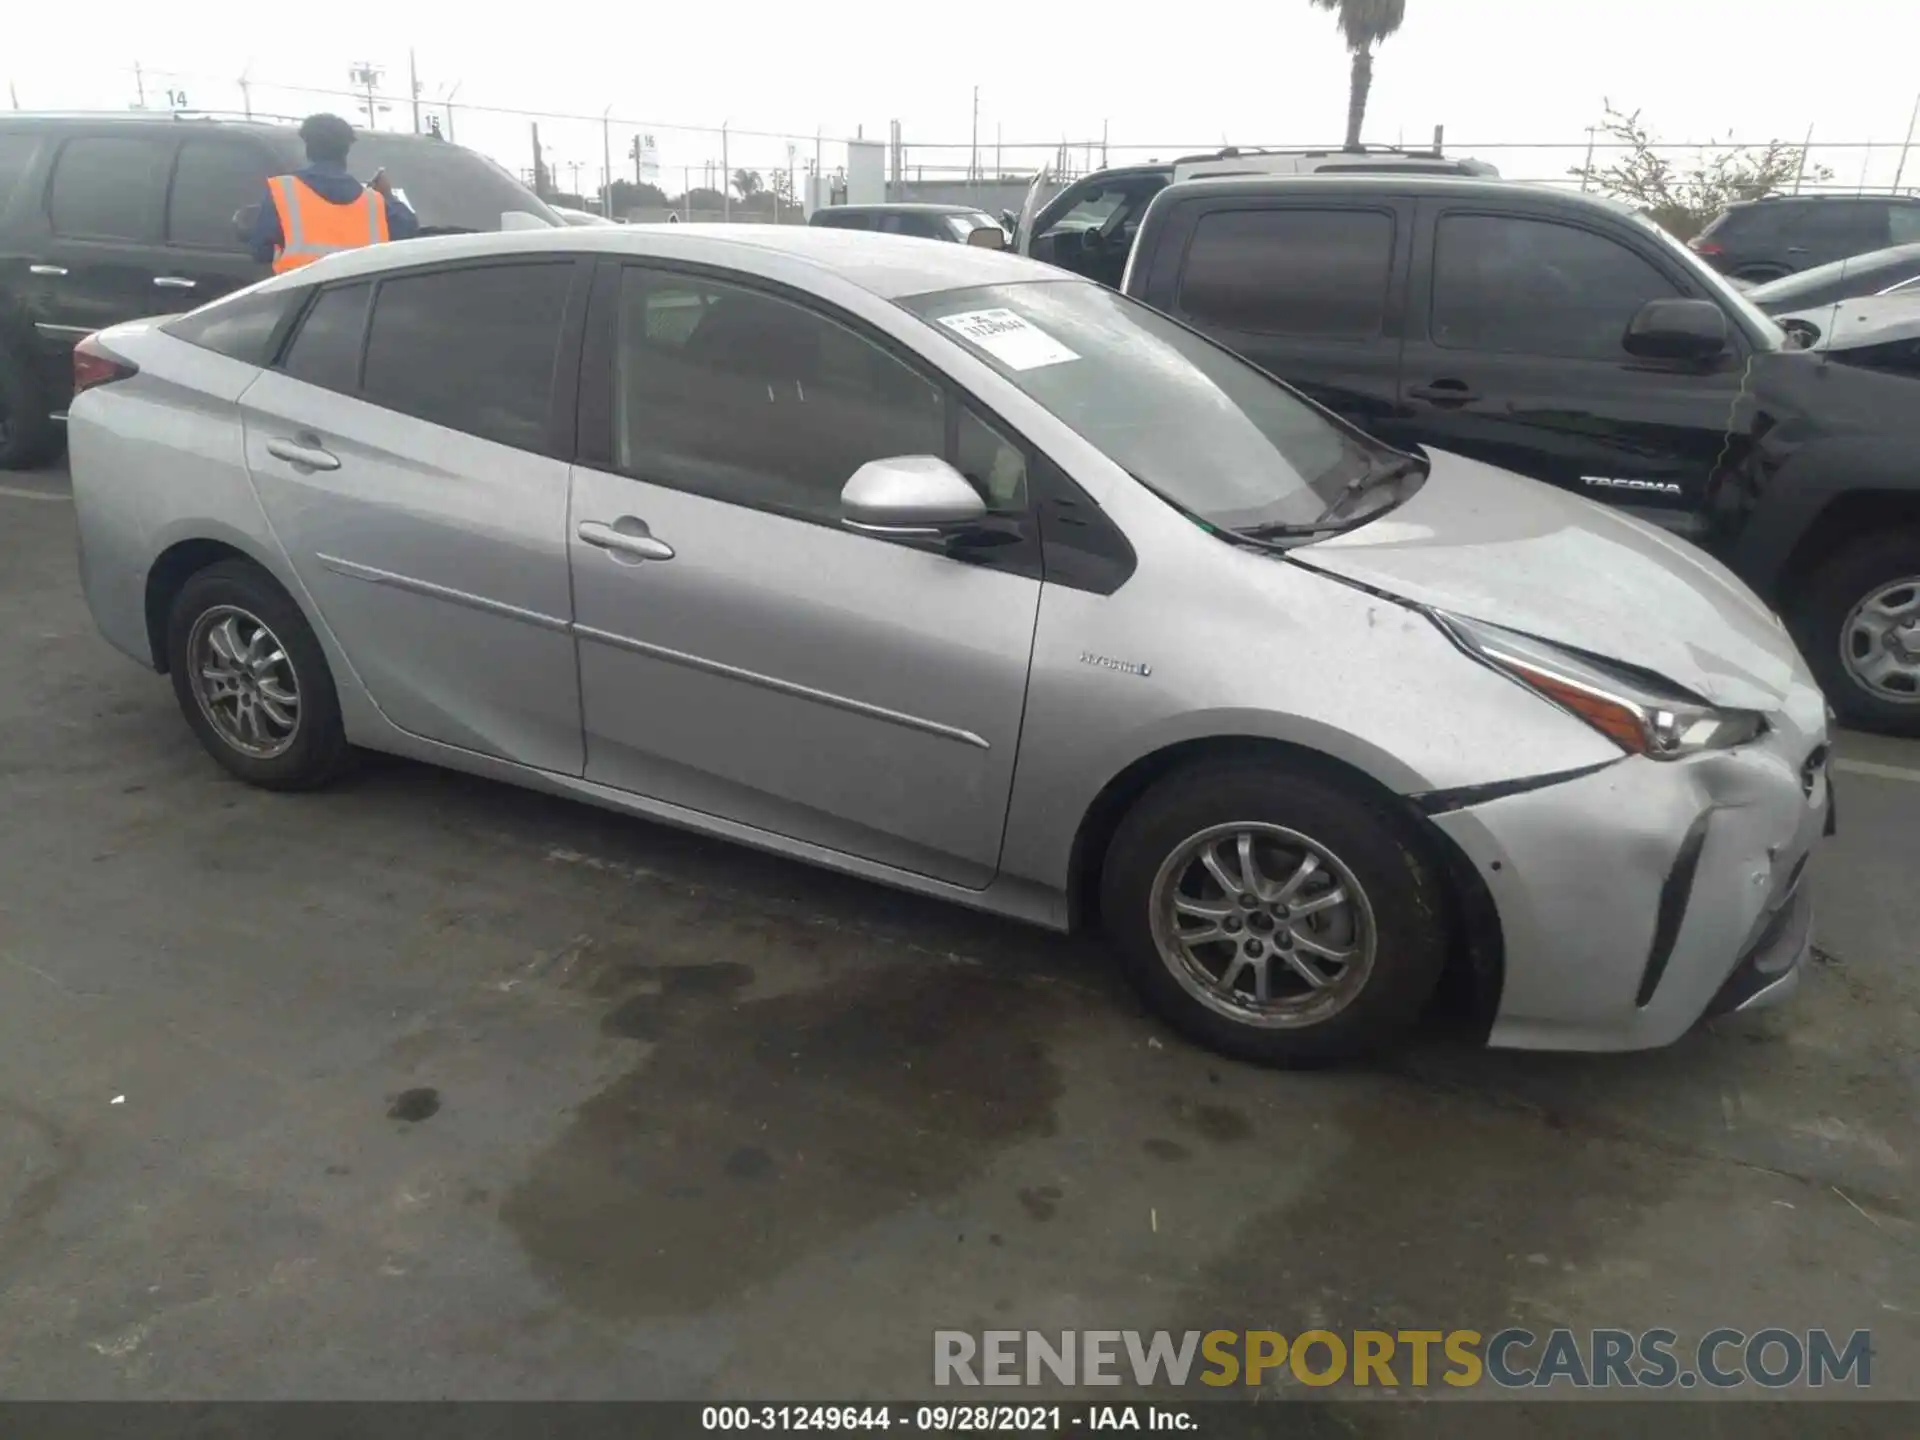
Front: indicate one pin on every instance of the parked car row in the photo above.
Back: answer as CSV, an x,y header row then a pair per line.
x,y
1561,336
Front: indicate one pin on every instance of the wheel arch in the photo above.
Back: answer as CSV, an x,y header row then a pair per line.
x,y
179,562
1845,517
1476,959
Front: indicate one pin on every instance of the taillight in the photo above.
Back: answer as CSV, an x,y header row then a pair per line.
x,y
94,367
1705,247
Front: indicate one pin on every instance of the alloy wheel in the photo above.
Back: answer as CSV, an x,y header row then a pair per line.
x,y
1263,925
244,681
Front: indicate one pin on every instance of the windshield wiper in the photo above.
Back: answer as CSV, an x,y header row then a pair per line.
x,y
1326,523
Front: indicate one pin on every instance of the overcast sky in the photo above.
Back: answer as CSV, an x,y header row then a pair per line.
x,y
1491,71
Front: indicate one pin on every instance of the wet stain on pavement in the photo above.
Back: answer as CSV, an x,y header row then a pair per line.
x,y
1220,1124
1041,1203
753,1132
413,1106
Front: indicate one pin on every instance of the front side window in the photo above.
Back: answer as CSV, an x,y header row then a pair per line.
x,y
1534,287
472,349
737,394
212,180
1903,224
326,348
1185,417
108,187
1319,274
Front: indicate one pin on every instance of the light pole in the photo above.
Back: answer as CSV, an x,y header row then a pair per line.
x,y
367,75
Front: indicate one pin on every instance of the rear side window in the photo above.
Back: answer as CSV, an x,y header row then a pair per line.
x,y
1534,287
471,349
1903,221
16,154
326,348
834,220
212,180
108,187
1314,273
1862,223
241,327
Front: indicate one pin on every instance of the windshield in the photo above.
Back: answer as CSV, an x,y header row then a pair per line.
x,y
1760,327
448,187
1188,419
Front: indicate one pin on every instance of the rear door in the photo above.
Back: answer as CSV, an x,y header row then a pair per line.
x,y
1312,291
408,449
742,653
1834,230
96,235
215,177
1514,356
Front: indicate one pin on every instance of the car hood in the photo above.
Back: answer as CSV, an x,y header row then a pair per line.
x,y
1869,320
1490,545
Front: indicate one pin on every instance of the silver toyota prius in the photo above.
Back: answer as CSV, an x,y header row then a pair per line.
x,y
945,568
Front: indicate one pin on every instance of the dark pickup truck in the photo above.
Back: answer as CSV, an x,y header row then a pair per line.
x,y
1569,339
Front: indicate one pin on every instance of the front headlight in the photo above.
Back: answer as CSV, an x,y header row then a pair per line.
x,y
1638,715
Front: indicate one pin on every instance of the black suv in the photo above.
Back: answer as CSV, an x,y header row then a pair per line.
x,y
105,218
1762,240
1566,338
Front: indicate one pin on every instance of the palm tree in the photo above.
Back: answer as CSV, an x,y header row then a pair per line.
x,y
748,183
1363,24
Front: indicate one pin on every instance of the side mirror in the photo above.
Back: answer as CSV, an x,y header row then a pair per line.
x,y
910,495
1677,330
244,219
987,237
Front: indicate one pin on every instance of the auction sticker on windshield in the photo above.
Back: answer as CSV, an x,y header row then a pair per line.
x,y
1009,338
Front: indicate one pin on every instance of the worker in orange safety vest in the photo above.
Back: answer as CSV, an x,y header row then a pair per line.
x,y
322,209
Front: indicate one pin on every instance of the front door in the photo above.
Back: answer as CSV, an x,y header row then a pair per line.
x,y
407,454
1514,356
214,179
742,653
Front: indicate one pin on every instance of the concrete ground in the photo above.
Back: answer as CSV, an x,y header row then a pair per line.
x,y
430,1087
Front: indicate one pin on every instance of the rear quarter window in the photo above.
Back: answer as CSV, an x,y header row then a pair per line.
x,y
245,326
17,149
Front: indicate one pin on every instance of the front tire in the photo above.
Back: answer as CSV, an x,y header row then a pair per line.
x,y
253,681
1275,912
1857,622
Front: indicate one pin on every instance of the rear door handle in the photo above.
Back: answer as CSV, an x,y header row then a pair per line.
x,y
1444,392
634,540
174,282
310,456
54,270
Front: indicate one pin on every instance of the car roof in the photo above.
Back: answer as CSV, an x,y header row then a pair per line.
x,y
1772,201
889,266
1463,187
280,132
908,207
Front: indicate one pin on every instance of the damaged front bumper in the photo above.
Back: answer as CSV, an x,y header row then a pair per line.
x,y
1637,899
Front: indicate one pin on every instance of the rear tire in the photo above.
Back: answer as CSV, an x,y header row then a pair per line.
x,y
1848,622
29,435
1371,895
253,681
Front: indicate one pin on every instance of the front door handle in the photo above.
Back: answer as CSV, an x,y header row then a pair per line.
x,y
1444,392
626,536
309,455
174,282
54,270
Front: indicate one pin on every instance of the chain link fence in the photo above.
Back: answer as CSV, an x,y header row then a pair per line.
x,y
641,169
